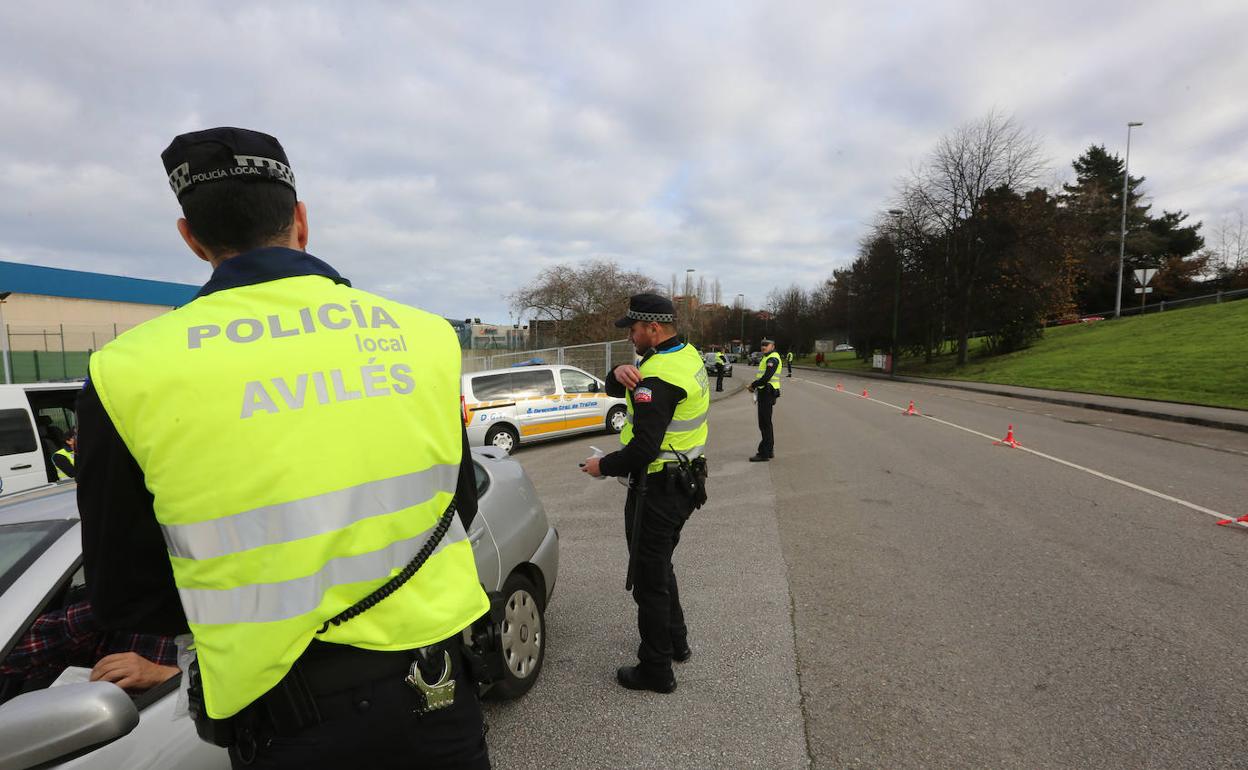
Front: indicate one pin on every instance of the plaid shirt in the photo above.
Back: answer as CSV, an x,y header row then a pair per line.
x,y
73,637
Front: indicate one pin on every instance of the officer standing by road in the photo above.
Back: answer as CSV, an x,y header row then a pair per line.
x,y
788,364
720,363
664,440
63,458
300,494
766,389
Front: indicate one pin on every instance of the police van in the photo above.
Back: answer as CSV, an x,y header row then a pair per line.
x,y
34,419
508,407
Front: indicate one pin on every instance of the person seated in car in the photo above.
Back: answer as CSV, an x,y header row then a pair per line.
x,y
72,636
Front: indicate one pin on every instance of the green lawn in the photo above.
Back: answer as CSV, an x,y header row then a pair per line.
x,y
1196,356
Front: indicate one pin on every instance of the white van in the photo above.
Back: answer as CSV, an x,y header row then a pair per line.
x,y
507,407
34,418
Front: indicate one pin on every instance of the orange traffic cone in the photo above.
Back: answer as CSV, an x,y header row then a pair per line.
x,y
1008,440
912,410
839,386
865,394
1228,522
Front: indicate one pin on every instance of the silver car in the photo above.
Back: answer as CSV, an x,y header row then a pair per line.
x,y
97,725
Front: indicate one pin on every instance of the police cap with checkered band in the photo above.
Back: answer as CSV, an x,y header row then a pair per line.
x,y
648,307
217,154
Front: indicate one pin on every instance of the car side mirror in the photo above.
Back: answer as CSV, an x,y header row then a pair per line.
x,y
593,387
46,725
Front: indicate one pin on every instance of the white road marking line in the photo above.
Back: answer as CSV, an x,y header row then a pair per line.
x,y
1058,460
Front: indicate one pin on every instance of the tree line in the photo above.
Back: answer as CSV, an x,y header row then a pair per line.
x,y
971,245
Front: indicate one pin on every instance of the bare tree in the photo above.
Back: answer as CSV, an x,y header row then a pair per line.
x,y
583,300
991,153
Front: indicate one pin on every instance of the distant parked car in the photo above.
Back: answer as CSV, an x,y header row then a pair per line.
x,y
755,357
98,725
1087,319
507,407
709,358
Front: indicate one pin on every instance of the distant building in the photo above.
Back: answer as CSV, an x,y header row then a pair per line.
x,y
474,335
54,318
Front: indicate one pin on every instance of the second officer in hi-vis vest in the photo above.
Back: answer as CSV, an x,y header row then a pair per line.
x,y
766,390
280,467
664,442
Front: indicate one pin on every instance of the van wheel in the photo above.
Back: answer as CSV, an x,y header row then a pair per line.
x,y
617,418
522,638
502,436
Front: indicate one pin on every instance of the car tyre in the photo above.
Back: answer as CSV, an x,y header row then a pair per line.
x,y
617,418
522,638
502,436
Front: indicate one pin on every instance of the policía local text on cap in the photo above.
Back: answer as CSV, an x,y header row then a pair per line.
x,y
216,154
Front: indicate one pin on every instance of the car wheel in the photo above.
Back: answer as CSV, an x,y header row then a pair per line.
x,y
617,418
522,638
502,436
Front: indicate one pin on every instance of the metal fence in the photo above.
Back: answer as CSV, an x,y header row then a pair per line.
x,y
1166,304
54,352
597,358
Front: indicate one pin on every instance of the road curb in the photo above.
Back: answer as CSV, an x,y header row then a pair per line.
x,y
1065,399
737,386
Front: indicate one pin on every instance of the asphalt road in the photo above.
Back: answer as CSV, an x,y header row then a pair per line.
x,y
898,592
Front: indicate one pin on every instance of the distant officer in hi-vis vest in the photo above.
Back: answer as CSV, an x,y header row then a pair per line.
x,y
664,442
253,472
766,390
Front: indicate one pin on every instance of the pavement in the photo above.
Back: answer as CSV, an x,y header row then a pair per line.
x,y
901,592
1194,414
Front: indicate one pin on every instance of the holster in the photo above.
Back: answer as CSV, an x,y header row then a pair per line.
x,y
689,478
481,643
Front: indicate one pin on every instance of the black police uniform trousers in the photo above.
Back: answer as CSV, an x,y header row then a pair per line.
x,y
719,378
374,724
660,618
766,402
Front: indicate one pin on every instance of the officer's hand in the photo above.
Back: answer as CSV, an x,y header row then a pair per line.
x,y
131,671
628,375
590,466
750,387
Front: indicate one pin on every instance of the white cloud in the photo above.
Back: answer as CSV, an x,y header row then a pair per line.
x,y
449,152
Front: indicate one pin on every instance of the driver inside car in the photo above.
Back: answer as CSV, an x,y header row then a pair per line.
x,y
72,636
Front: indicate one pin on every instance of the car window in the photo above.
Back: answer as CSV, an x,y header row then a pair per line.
x,y
483,478
575,381
16,434
534,383
492,387
21,544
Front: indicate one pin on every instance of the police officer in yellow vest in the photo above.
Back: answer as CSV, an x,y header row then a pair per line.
x,y
788,364
664,440
720,363
252,470
63,458
766,389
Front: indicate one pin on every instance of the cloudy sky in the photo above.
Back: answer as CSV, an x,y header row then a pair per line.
x,y
449,151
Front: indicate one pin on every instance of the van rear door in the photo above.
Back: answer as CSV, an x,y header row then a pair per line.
x,y
21,461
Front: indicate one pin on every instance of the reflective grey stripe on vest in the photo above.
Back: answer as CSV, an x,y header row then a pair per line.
x,y
299,519
690,453
679,425
270,602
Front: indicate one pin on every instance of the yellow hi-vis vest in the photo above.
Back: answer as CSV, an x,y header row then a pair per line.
x,y
300,440
774,382
719,359
686,433
63,452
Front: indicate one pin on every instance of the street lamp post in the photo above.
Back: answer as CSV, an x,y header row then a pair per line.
x,y
689,271
1122,241
741,307
897,214
4,339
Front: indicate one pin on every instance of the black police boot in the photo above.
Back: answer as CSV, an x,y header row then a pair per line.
x,y
759,459
682,654
634,678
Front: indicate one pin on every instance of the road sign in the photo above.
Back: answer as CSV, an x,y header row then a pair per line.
x,y
1142,277
1146,290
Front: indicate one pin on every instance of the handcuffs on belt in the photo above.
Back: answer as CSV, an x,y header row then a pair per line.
x,y
433,695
